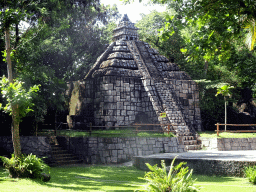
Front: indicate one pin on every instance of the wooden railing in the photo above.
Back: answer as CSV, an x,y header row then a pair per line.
x,y
235,131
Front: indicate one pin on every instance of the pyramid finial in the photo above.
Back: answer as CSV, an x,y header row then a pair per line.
x,y
125,18
125,30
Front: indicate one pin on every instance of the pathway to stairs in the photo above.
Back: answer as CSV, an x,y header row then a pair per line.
x,y
62,156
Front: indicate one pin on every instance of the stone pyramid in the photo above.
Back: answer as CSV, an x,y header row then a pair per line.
x,y
131,83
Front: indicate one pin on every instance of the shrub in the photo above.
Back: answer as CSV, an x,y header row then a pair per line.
x,y
250,173
178,179
28,166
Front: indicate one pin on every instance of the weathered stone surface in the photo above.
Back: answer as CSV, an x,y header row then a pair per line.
x,y
116,150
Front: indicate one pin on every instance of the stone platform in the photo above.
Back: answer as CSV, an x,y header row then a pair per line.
x,y
224,163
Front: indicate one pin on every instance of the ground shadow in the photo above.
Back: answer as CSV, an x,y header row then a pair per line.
x,y
95,178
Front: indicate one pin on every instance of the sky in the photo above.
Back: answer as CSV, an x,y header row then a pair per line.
x,y
134,9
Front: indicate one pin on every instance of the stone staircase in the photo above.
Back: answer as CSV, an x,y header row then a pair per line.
x,y
163,97
62,156
191,143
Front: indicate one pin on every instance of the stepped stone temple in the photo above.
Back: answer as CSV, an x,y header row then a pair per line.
x,y
130,82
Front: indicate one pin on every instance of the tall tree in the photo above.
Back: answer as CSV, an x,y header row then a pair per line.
x,y
61,52
223,20
150,27
12,13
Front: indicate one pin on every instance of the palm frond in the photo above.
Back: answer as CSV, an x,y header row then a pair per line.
x,y
251,33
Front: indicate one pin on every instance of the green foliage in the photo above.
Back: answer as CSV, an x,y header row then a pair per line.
x,y
107,34
250,173
153,27
178,179
61,40
224,90
111,133
213,134
212,107
28,166
251,33
16,94
242,62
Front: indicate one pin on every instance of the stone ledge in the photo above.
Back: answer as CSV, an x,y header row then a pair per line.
x,y
228,144
199,166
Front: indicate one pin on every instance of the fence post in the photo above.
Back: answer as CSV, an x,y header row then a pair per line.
x,y
218,128
168,131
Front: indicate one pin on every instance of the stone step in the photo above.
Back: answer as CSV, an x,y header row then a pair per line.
x,y
56,147
67,162
59,152
185,138
192,147
62,156
190,142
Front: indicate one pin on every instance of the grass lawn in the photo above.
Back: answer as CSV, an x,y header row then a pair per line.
x,y
112,133
213,134
224,184
107,178
83,178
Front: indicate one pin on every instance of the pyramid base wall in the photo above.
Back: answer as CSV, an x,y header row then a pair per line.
x,y
116,100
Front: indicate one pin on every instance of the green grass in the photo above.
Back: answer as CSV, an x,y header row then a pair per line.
x,y
213,134
107,178
224,184
83,178
112,133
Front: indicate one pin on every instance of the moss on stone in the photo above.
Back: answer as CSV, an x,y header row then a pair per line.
x,y
75,101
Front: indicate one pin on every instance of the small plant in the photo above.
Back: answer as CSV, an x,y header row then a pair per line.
x,y
178,179
250,173
28,166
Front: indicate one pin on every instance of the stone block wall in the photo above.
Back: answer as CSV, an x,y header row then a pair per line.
x,y
115,100
234,144
116,150
228,144
187,93
39,146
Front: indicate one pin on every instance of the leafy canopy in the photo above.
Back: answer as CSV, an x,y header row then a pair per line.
x,y
15,94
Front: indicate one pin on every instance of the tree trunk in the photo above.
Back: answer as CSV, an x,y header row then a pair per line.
x,y
8,55
16,131
225,113
15,107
